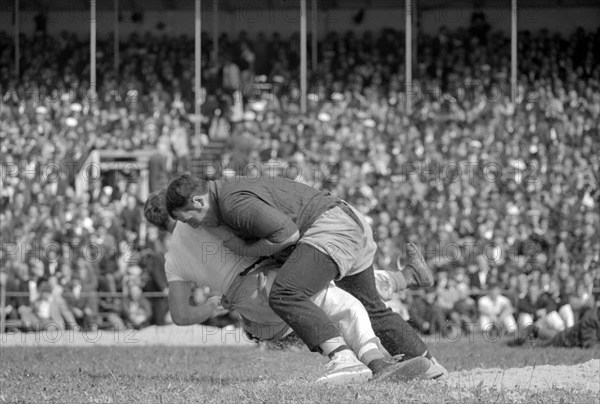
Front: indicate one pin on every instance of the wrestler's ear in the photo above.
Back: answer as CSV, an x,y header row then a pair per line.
x,y
199,201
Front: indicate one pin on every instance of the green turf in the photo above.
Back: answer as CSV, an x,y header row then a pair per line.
x,y
228,374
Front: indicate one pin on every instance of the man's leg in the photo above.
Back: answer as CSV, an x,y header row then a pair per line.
x,y
567,314
508,323
395,334
555,321
437,319
306,272
525,319
353,319
564,339
486,323
415,274
355,326
341,308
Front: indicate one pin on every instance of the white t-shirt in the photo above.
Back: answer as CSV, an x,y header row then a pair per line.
x,y
196,255
489,307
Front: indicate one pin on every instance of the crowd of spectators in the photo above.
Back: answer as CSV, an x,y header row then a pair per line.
x,y
500,196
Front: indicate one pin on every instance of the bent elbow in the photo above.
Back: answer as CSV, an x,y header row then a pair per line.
x,y
179,319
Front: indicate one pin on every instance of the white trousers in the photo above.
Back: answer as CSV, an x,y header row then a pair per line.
x,y
553,321
506,321
249,296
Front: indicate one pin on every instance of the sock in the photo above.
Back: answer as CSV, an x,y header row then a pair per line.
x,y
332,345
427,355
336,350
370,352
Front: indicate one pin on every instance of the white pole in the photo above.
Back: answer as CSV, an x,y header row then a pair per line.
x,y
513,64
197,89
117,39
408,56
3,277
17,46
315,19
414,34
303,56
93,51
215,39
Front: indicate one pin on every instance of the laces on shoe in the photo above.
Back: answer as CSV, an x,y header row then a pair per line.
x,y
336,360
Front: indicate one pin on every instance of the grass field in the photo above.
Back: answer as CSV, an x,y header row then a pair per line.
x,y
245,374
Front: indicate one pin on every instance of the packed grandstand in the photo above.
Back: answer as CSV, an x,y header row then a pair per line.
x,y
493,192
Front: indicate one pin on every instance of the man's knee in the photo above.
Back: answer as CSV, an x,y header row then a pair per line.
x,y
524,320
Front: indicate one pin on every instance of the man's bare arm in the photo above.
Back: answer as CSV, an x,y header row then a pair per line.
x,y
182,312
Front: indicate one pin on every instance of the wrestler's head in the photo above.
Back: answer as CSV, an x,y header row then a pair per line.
x,y
155,211
188,200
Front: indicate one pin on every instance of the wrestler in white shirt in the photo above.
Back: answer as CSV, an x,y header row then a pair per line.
x,y
198,257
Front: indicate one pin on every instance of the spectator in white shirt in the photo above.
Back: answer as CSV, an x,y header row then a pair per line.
x,y
496,310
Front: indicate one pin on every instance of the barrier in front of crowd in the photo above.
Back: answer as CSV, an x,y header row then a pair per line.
x,y
131,164
4,294
153,295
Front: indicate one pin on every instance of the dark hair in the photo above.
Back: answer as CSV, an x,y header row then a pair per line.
x,y
155,209
181,191
493,285
45,287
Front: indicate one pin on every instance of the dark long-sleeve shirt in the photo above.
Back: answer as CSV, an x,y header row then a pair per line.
x,y
525,305
548,302
589,328
584,334
154,265
269,207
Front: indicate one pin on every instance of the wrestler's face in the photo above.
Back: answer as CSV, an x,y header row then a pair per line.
x,y
195,213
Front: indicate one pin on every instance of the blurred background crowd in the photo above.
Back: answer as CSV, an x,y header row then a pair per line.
x,y
502,198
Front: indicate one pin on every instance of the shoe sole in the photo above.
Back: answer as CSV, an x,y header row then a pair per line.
x,y
404,371
347,377
420,267
435,374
